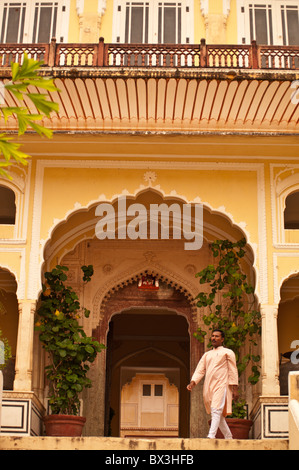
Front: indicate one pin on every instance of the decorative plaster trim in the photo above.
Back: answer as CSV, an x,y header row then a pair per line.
x,y
20,185
204,7
259,249
80,6
276,284
102,4
279,191
21,278
226,7
129,276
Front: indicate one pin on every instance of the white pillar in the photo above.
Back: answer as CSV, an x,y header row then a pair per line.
x,y
23,377
270,354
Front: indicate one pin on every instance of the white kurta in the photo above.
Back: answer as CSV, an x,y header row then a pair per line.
x,y
220,371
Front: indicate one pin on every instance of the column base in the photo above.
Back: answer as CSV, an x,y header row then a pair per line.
x,y
270,418
22,414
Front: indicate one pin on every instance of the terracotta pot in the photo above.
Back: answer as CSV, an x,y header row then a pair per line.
x,y
64,425
239,428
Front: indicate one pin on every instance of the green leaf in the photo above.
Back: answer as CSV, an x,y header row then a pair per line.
x,y
41,130
15,70
41,103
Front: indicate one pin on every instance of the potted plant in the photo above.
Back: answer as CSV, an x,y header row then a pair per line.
x,y
5,351
237,421
69,350
5,355
230,305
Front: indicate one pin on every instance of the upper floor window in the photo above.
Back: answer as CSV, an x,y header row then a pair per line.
x,y
33,21
153,21
275,22
7,206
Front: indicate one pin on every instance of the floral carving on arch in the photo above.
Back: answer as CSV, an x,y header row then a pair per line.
x,y
126,278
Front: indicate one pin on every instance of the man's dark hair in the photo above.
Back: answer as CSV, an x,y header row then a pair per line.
x,y
220,331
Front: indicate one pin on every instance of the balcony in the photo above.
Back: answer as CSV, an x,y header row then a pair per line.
x,y
166,87
201,55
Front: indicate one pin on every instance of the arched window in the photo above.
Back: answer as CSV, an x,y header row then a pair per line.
x,y
7,206
291,212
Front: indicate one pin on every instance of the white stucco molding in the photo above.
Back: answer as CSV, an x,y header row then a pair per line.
x,y
80,7
204,7
102,5
279,282
226,7
20,277
284,179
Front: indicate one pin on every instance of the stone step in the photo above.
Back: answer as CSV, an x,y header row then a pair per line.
x,y
111,444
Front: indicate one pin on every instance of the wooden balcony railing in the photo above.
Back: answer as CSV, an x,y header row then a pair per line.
x,y
201,55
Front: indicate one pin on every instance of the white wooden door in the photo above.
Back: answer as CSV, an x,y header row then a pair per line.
x,y
153,21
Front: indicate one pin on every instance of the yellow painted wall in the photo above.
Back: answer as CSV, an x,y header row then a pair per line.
x,y
232,191
73,24
91,6
218,189
215,7
231,25
199,24
106,22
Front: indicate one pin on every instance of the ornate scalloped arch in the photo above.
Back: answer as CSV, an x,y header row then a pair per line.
x,y
292,274
129,277
221,211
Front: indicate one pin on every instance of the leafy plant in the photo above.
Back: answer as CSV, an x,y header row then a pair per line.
x,y
238,410
235,313
69,348
22,77
5,351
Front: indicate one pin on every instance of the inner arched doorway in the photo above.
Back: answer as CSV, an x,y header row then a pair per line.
x,y
148,361
9,318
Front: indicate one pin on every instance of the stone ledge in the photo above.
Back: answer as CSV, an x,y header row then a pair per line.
x,y
110,444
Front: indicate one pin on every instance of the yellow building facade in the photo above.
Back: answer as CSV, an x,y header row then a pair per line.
x,y
189,102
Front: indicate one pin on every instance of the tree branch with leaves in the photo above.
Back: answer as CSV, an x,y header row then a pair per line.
x,y
230,305
23,76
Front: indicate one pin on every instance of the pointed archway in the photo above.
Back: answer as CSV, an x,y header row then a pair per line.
x,y
118,265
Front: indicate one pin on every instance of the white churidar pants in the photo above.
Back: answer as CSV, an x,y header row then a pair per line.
x,y
218,421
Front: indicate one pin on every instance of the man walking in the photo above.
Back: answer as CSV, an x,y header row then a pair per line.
x,y
221,383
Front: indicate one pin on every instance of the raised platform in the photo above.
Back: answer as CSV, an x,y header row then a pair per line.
x,y
110,444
